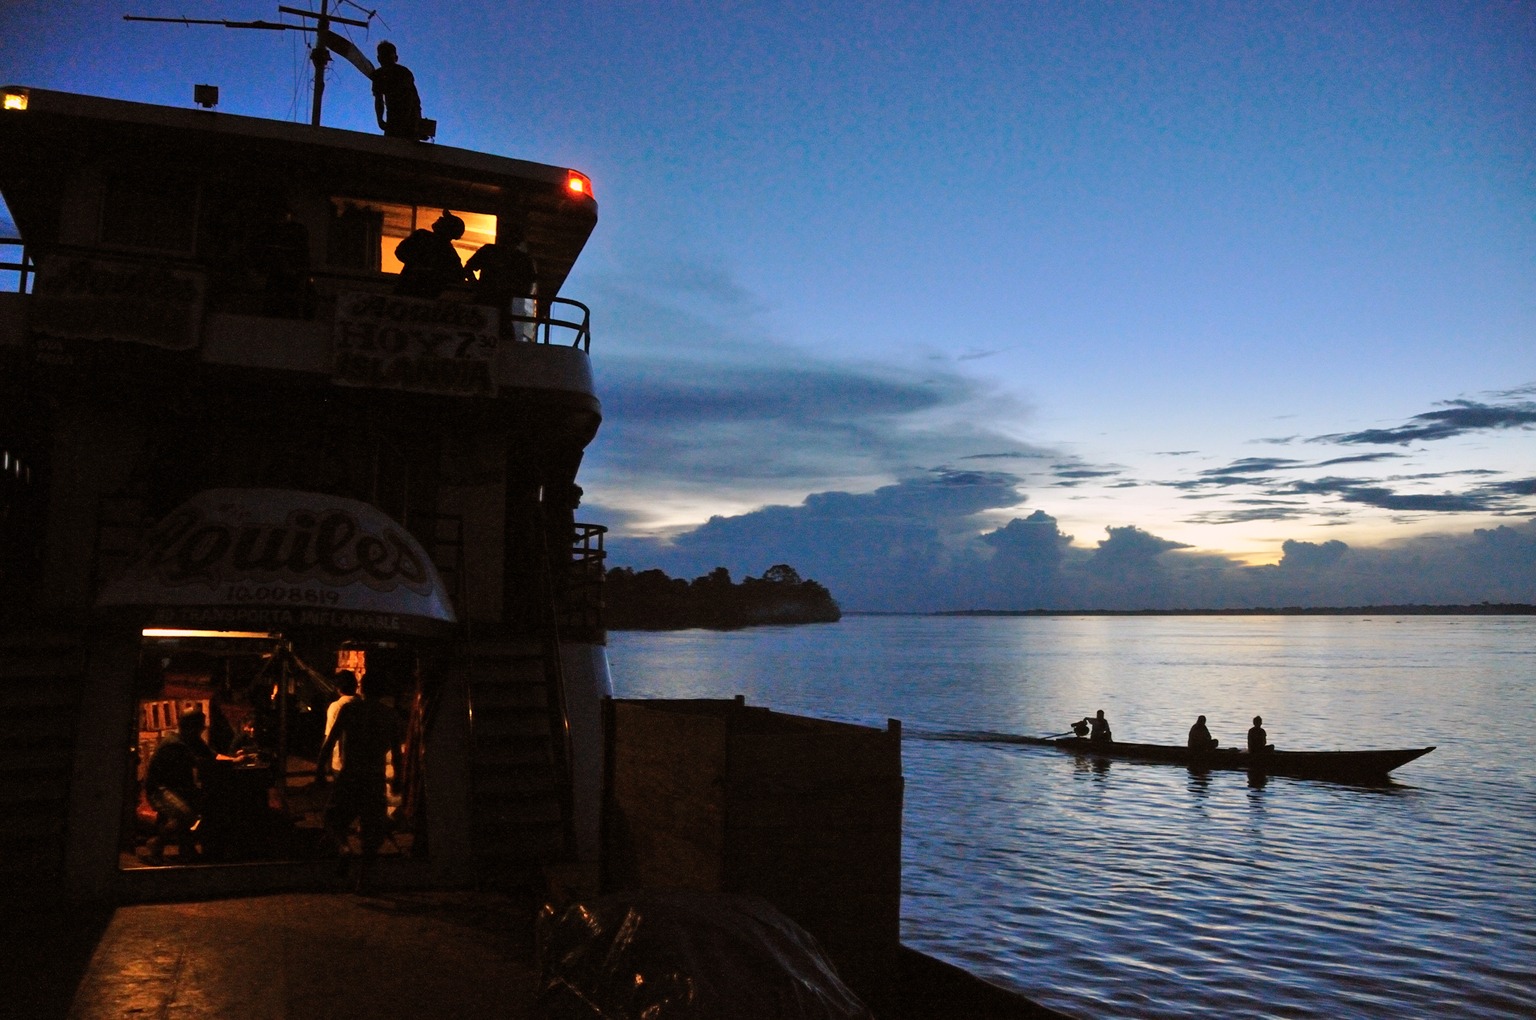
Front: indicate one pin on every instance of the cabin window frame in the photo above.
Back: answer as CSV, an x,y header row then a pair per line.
x,y
397,220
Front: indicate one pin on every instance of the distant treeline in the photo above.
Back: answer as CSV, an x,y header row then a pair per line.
x,y
1477,609
650,600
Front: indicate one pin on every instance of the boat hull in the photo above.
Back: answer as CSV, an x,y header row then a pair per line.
x,y
1344,765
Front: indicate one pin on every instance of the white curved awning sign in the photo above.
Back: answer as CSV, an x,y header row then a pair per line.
x,y
277,559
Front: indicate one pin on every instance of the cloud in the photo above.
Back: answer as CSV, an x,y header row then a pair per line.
x,y
1306,555
888,548
1251,465
1129,546
1458,417
920,545
728,435
1257,510
1362,458
1012,455
1279,497
727,415
1482,499
1070,475
1517,487
900,487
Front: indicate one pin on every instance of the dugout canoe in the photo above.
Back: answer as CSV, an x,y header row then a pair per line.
x,y
1370,765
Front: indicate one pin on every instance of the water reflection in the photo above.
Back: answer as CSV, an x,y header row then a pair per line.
x,y
1216,895
1199,781
1089,766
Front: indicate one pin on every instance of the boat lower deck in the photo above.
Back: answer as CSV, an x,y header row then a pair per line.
x,y
461,954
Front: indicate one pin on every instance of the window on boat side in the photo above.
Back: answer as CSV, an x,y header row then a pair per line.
x,y
363,234
156,214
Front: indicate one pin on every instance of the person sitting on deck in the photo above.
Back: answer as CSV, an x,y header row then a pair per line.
x,y
1100,729
1200,738
1257,737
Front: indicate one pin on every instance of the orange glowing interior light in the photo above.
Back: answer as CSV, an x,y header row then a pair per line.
x,y
578,184
14,99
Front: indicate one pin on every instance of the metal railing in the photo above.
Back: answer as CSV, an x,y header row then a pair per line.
x,y
559,321
545,325
581,600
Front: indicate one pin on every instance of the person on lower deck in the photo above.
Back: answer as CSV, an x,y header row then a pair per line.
x,y
372,734
1099,729
1200,738
173,785
1257,737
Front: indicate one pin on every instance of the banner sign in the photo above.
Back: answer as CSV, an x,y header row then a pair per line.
x,y
79,298
399,343
276,559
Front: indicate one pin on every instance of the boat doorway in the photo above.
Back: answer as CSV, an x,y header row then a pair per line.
x,y
252,708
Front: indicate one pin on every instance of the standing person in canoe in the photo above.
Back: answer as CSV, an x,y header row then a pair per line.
x,y
1200,738
1257,737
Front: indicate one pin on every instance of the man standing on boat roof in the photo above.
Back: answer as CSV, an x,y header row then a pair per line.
x,y
396,103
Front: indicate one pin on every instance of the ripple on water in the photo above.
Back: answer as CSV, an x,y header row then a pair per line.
x,y
1133,891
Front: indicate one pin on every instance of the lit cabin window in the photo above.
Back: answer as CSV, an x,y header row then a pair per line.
x,y
363,234
13,99
157,215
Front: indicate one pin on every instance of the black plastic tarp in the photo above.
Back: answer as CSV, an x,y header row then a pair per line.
x,y
681,955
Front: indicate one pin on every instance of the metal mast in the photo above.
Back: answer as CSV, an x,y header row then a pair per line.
x,y
319,55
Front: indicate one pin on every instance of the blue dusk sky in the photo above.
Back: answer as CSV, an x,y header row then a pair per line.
x,y
986,305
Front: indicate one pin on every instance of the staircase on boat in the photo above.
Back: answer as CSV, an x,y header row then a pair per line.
x,y
518,792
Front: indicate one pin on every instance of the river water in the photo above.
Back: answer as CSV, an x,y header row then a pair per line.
x,y
1139,891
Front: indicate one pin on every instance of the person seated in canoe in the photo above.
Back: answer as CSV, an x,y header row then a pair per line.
x,y
1200,738
1257,737
1099,729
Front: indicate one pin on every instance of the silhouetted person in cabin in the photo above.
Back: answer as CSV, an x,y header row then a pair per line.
x,y
1257,737
396,103
1200,738
428,260
507,278
1099,729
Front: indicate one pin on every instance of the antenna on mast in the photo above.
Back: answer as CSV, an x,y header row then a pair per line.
x,y
319,54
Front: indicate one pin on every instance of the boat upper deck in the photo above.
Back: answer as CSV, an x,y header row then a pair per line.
x,y
267,244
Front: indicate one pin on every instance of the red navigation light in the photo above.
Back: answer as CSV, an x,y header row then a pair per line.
x,y
578,185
